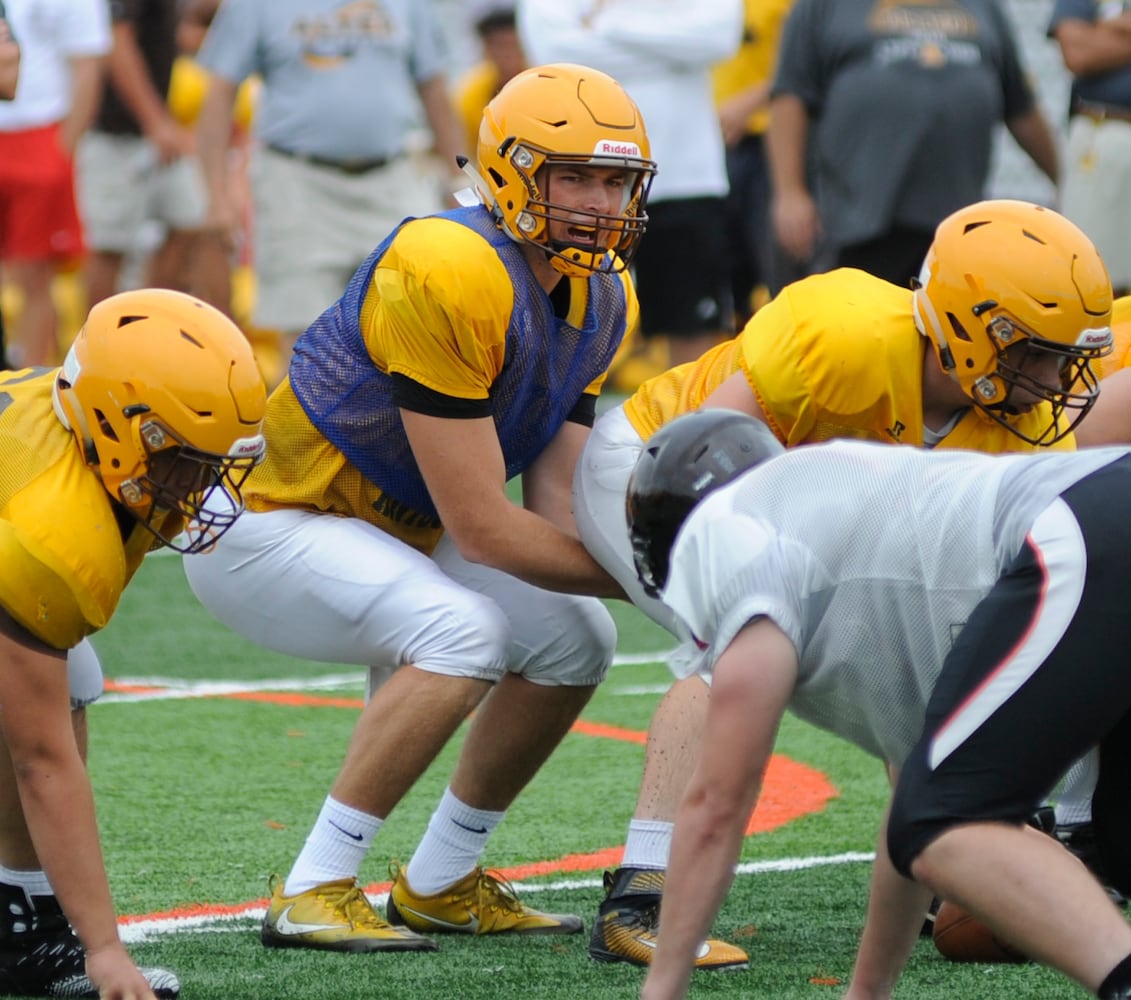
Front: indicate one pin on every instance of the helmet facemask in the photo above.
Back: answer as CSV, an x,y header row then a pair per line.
x,y
1069,402
615,236
205,489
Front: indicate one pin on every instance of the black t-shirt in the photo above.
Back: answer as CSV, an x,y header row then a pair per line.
x,y
155,22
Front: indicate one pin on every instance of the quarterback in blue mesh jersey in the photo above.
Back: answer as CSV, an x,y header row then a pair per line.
x,y
467,350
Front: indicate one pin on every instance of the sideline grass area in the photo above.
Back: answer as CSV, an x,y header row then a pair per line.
x,y
200,799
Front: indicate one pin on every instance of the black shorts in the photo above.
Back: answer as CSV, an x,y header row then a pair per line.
x,y
682,270
1037,677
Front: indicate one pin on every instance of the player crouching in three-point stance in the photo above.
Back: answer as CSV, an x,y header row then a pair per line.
x,y
866,588
156,410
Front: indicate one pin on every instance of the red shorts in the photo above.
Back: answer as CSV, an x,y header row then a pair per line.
x,y
39,219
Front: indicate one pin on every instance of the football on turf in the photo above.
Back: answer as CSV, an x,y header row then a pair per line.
x,y
962,937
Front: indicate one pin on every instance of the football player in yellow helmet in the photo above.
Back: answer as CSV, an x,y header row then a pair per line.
x,y
1009,288
469,349
844,355
156,412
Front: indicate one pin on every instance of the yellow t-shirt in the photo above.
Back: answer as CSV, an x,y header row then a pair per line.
x,y
836,355
756,57
437,310
63,563
472,93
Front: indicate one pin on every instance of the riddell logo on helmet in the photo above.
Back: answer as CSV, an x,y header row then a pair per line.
x,y
1094,338
607,147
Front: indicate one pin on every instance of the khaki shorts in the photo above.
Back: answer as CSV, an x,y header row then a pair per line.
x,y
122,188
315,225
1096,189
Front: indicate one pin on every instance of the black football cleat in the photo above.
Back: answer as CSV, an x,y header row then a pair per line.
x,y
40,956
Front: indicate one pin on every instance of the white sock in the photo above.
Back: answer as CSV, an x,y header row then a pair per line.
x,y
452,845
648,845
335,848
33,882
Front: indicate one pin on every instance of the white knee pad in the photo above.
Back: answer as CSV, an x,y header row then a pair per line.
x,y
467,635
84,675
574,649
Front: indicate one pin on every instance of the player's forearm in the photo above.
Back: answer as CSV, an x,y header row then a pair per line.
x,y
529,547
700,872
59,808
896,908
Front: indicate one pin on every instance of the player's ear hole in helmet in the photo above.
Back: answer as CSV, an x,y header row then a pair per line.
x,y
1006,285
681,463
165,399
550,117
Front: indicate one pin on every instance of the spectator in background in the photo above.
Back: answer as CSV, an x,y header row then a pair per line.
x,y
1095,40
495,27
742,92
9,58
63,47
138,165
900,103
333,170
662,52
9,77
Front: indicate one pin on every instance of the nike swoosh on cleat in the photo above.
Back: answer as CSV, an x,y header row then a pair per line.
x,y
284,925
470,829
472,923
352,836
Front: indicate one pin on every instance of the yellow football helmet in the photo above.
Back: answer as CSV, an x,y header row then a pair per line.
x,y
560,114
164,397
1000,273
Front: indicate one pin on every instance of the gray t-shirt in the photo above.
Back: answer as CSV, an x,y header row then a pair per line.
x,y
339,79
870,558
1112,87
904,102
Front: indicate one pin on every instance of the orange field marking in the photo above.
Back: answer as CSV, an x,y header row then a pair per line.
x,y
790,790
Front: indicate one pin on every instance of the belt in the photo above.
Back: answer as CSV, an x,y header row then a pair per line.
x,y
1102,112
342,166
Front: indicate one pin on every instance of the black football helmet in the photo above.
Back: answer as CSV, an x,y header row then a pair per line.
x,y
681,463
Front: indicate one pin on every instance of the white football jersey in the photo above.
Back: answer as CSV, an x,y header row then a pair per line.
x,y
870,558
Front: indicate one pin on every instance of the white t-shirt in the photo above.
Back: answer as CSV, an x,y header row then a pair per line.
x,y
49,33
661,52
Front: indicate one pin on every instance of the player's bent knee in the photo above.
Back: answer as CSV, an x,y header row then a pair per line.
x,y
578,645
84,675
469,637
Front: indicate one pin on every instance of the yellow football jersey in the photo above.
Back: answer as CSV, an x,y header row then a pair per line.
x,y
63,563
1120,356
836,355
437,311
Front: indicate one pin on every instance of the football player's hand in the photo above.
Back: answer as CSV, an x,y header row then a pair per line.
x,y
113,971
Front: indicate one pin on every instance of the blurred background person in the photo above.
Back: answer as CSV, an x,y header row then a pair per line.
x,y
1095,41
897,105
137,170
662,53
742,92
494,25
63,46
9,77
344,91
